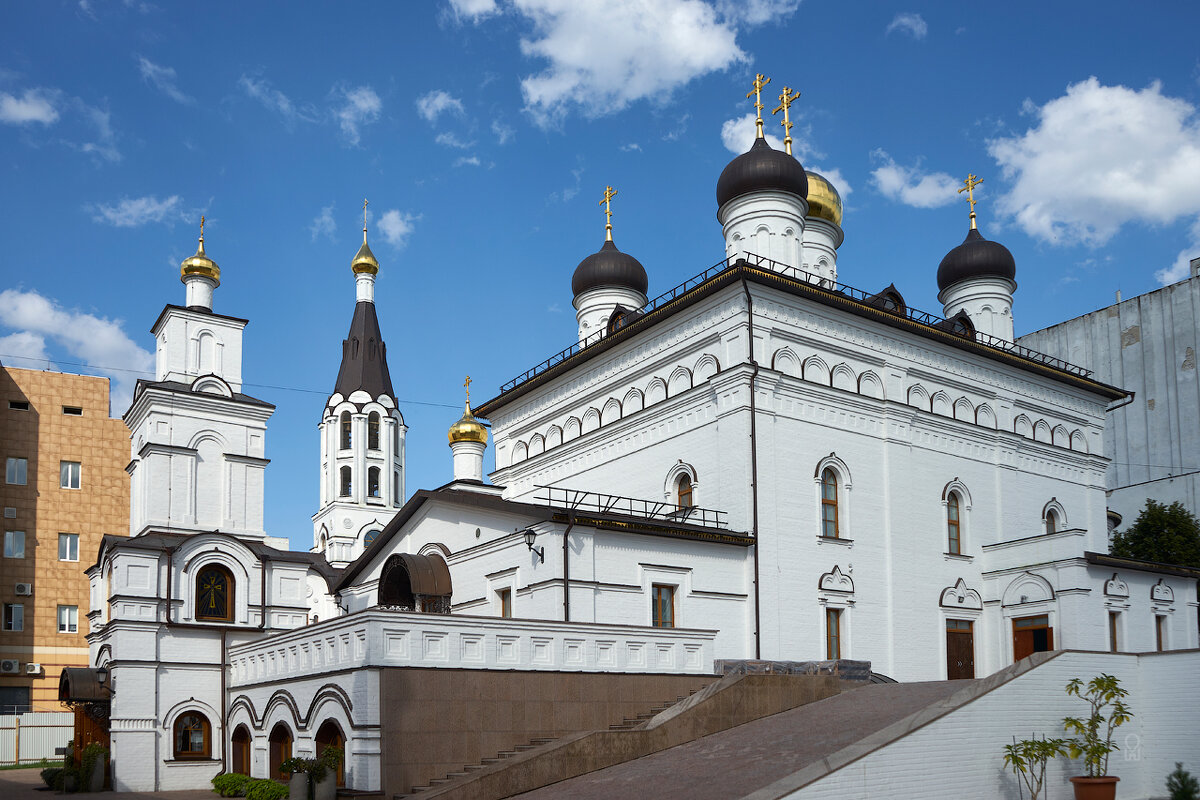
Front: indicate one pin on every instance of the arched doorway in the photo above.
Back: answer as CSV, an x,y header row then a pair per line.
x,y
416,583
239,749
281,749
330,735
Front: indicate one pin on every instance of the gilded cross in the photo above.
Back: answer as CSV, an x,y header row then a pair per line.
x,y
786,98
609,194
760,81
201,227
364,215
467,386
971,182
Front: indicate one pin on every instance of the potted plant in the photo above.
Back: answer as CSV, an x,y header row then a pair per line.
x,y
1182,785
305,773
331,759
1094,734
92,767
1028,758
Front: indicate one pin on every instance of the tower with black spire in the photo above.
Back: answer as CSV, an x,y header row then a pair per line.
x,y
362,433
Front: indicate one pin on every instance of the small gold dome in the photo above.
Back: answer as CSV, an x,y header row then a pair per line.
x,y
364,260
468,429
824,202
200,264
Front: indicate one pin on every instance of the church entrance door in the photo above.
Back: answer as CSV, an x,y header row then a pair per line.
x,y
1032,635
960,649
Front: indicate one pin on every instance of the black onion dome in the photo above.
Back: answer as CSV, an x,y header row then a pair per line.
x,y
609,267
976,257
759,168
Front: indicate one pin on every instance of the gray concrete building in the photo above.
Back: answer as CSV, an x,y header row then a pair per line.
x,y
1146,344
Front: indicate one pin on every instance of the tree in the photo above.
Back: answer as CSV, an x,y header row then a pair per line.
x,y
1162,533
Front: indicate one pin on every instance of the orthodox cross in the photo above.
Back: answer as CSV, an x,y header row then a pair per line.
x,y
971,182
202,227
786,98
760,81
364,215
609,194
467,386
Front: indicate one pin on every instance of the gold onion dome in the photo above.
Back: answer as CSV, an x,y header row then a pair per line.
x,y
200,264
824,202
364,260
468,429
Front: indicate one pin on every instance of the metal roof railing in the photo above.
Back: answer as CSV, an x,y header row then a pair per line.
x,y
579,500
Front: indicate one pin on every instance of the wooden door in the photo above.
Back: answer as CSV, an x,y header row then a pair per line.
x,y
960,649
1032,635
240,750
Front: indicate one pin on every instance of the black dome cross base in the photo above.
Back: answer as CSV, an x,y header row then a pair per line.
x,y
609,267
976,257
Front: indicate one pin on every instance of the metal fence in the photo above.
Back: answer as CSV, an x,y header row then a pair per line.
x,y
29,738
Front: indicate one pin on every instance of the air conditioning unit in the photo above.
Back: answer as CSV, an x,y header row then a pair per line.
x,y
10,666
33,669
24,590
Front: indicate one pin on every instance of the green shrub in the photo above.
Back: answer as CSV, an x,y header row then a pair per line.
x,y
266,789
1182,785
50,775
94,757
232,784
65,776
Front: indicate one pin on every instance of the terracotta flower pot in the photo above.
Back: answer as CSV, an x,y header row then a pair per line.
x,y
1095,788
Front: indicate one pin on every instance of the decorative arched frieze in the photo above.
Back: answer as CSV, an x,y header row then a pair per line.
x,y
611,412
814,370
537,445
571,429
681,381
1115,587
706,366
656,391
1023,426
1079,441
1161,592
959,596
632,403
964,410
836,581
871,385
1027,588
591,420
554,436
842,377
1060,436
918,396
786,361
985,417
939,404
282,707
520,452
1041,431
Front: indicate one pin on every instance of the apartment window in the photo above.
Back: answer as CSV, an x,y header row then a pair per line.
x,y
373,431
833,633
14,544
663,613
15,471
72,411
192,736
345,473
684,492
829,504
505,598
1114,619
70,474
14,617
346,438
68,619
18,405
373,489
68,547
954,542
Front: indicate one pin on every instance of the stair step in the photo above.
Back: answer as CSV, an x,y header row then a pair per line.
x,y
474,767
439,781
545,740
452,775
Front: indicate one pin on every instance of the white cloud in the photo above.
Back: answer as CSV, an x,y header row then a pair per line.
x,y
163,79
911,186
323,224
632,147
603,56
474,10
450,140
359,106
1182,267
99,342
396,226
467,161
1100,157
26,346
504,133
569,192
432,105
105,146
912,24
136,211
739,133
274,100
34,105
757,12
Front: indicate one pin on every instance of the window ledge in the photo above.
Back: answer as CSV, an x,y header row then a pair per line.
x,y
958,557
205,760
835,540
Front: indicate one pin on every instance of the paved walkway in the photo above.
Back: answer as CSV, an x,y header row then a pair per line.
x,y
26,784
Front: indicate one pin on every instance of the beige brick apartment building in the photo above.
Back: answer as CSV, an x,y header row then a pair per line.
x,y
64,487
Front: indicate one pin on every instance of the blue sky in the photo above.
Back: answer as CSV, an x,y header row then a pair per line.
x,y
484,132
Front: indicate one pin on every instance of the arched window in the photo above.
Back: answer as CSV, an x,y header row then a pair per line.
x,y
240,750
281,750
373,431
330,735
829,504
1051,521
214,594
370,537
373,489
346,440
395,438
192,736
396,498
683,491
953,536
345,473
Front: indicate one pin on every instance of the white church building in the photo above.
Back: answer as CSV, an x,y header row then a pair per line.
x,y
761,464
